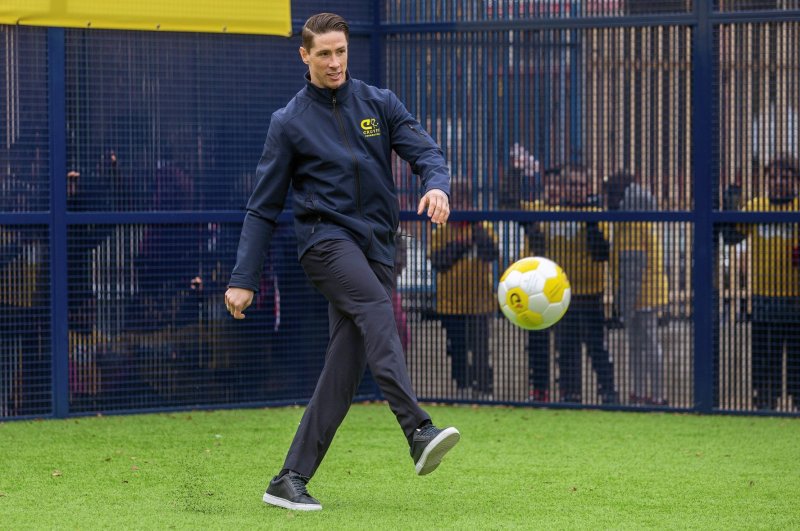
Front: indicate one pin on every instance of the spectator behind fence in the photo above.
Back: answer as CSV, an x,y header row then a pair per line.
x,y
303,324
24,365
103,282
464,254
581,249
332,144
102,186
524,171
775,288
640,286
523,182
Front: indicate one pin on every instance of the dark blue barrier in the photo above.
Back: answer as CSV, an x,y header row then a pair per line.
x,y
127,158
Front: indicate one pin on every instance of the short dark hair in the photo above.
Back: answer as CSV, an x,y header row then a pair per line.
x,y
559,171
323,23
785,162
615,186
619,180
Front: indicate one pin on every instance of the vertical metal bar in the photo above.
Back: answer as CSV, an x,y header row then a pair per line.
x,y
703,165
376,41
534,91
376,61
576,92
56,89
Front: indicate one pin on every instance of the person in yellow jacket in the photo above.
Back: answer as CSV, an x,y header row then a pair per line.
x,y
640,282
581,249
775,266
524,188
463,254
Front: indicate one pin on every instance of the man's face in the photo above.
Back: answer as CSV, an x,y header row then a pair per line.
x,y
782,181
576,186
327,59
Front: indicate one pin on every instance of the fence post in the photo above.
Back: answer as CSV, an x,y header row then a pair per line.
x,y
376,60
703,149
56,93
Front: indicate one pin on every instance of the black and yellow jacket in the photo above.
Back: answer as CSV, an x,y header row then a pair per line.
x,y
463,255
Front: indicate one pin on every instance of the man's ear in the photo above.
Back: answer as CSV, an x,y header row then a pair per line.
x,y
304,55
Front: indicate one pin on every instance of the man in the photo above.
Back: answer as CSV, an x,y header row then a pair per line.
x,y
580,248
775,288
525,175
640,285
464,254
332,143
22,292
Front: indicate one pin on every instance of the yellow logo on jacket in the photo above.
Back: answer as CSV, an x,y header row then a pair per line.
x,y
370,127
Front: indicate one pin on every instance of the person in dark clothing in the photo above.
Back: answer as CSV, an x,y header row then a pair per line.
x,y
640,286
464,254
580,248
332,144
524,175
23,359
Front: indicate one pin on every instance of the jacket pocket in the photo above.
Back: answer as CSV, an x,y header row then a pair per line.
x,y
418,130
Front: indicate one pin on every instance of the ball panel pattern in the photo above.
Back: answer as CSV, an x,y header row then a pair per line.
x,y
534,293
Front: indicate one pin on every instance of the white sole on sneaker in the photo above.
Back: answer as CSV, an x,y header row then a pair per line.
x,y
434,452
286,504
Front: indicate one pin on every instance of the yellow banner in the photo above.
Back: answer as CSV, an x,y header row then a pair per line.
x,y
264,17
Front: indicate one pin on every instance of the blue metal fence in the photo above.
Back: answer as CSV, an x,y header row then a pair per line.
x,y
127,158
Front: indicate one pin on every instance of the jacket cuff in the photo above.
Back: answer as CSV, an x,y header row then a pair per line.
x,y
241,283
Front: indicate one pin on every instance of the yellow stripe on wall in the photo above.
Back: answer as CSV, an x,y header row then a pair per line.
x,y
271,17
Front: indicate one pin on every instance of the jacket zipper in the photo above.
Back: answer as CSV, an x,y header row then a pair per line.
x,y
352,154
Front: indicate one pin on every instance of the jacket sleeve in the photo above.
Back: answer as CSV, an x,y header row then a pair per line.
x,y
273,176
596,242
732,198
415,146
486,242
445,250
535,239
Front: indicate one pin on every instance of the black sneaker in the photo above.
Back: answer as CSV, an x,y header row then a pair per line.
x,y
290,492
429,445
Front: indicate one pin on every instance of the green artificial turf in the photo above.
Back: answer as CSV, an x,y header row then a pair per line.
x,y
514,468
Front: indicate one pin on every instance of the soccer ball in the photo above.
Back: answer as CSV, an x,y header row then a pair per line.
x,y
534,293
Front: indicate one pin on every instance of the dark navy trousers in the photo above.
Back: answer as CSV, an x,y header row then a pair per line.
x,y
362,332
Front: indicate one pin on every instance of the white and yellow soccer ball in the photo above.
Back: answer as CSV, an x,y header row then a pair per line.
x,y
534,293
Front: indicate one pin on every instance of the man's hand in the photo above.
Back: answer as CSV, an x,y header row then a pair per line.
x,y
196,283
521,159
438,205
237,300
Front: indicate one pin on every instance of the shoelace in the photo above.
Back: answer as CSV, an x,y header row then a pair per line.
x,y
299,484
428,430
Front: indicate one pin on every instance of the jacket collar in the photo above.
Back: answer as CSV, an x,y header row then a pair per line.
x,y
325,95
